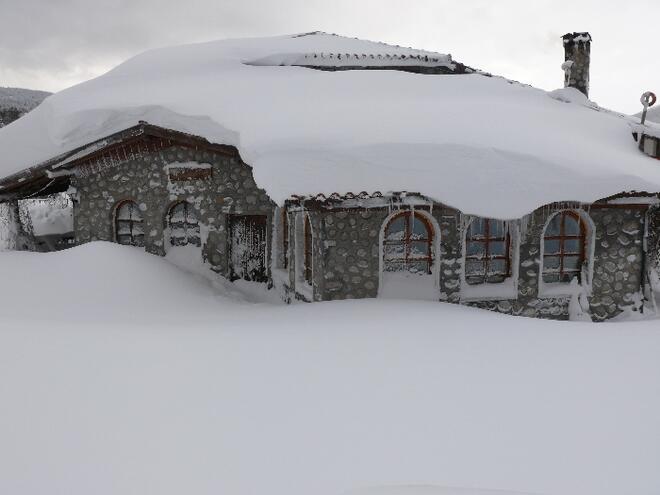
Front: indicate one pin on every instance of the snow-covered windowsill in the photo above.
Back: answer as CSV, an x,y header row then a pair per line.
x,y
561,289
489,292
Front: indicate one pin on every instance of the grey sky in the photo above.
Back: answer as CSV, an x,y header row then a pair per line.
x,y
53,44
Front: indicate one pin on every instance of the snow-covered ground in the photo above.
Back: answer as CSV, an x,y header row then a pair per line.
x,y
122,374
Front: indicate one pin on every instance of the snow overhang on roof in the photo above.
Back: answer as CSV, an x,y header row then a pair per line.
x,y
484,145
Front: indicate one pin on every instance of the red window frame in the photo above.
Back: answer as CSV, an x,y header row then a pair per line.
x,y
486,240
407,242
563,253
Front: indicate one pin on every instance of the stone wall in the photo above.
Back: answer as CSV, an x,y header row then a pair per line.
x,y
346,247
577,52
347,259
230,190
654,238
618,255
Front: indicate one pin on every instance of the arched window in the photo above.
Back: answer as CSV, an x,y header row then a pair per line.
x,y
307,254
563,247
487,251
128,224
183,225
407,244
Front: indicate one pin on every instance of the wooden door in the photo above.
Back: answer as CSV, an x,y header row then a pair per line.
x,y
247,247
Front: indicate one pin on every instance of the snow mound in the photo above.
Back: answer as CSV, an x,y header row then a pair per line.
x,y
106,282
307,131
122,374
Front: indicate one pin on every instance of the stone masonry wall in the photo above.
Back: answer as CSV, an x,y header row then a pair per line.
x,y
145,180
347,259
346,247
617,267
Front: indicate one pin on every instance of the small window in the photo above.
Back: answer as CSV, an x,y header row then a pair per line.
x,y
183,225
650,146
129,229
563,247
307,260
487,251
407,244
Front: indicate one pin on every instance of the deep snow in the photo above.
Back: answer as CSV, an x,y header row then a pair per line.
x,y
482,144
122,374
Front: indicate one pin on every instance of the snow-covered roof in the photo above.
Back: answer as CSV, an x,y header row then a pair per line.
x,y
483,144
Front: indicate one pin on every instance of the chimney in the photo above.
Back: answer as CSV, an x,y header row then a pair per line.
x,y
577,53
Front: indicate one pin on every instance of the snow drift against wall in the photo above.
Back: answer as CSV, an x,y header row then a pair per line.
x,y
483,144
121,374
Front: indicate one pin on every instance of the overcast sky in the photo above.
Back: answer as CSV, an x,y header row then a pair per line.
x,y
53,44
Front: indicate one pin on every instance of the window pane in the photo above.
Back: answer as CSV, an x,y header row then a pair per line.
x,y
551,263
553,227
550,277
475,279
477,249
396,230
474,267
392,266
498,248
551,247
418,267
571,263
497,229
571,225
572,245
394,251
567,277
419,249
123,213
496,278
177,214
419,229
497,266
477,229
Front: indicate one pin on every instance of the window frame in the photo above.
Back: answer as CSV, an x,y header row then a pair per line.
x,y
487,258
308,251
408,240
187,207
285,239
562,238
132,204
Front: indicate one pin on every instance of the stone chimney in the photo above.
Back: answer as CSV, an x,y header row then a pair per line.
x,y
577,54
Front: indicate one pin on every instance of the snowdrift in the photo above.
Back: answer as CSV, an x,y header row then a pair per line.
x,y
482,144
122,374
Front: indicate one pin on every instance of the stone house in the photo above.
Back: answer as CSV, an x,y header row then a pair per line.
x,y
157,188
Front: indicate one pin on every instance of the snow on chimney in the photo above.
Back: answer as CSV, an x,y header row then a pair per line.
x,y
577,54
